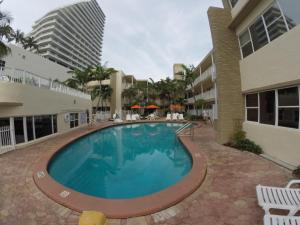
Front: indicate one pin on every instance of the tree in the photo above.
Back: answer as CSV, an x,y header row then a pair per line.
x,y
6,33
101,73
190,75
104,93
30,43
19,36
130,94
79,79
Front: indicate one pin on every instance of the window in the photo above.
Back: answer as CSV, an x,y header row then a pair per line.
x,y
277,107
232,3
280,17
290,10
73,120
252,107
2,64
288,107
267,107
274,22
19,130
29,123
246,44
258,34
43,126
54,118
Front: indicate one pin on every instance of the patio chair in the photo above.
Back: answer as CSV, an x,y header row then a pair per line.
x,y
128,117
168,117
180,117
151,116
287,198
133,117
174,116
281,220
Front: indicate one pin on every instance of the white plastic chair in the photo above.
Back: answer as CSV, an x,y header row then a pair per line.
x,y
128,117
168,117
180,117
287,198
281,220
133,117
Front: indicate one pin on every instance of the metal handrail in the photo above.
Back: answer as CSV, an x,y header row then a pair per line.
x,y
179,130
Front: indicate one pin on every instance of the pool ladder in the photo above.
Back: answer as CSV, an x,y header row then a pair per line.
x,y
181,129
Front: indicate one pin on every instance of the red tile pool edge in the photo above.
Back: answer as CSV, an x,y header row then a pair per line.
x,y
124,208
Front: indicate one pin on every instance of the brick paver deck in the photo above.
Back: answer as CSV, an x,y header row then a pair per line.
x,y
227,196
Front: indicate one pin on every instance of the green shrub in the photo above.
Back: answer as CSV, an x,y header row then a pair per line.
x,y
296,172
248,145
239,136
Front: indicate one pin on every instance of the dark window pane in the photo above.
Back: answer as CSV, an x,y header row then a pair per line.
x,y
290,9
244,38
43,126
73,120
55,123
267,107
277,29
288,117
29,128
288,97
272,14
258,34
19,130
4,122
247,50
252,100
252,115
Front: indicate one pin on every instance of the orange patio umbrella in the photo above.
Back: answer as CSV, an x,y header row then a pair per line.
x,y
176,107
152,107
136,107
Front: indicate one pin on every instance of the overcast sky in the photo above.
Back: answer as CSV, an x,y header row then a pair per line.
x,y
142,37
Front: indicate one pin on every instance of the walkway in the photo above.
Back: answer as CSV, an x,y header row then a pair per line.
x,y
227,196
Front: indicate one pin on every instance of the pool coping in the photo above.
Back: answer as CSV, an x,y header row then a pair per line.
x,y
123,208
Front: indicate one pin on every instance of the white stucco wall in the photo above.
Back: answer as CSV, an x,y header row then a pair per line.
x,y
34,63
280,143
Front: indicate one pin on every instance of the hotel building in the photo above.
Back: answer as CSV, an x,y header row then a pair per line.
x,y
72,35
33,106
256,74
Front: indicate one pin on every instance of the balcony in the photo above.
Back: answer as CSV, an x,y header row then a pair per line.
x,y
210,73
14,75
207,95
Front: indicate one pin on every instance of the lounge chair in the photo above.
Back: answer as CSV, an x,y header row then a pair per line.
x,y
168,117
174,116
128,117
279,198
151,116
281,220
180,117
133,117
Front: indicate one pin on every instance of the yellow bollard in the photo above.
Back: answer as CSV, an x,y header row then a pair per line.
x,y
92,218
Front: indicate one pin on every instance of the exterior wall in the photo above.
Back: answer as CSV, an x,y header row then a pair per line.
x,y
274,65
278,142
228,81
28,61
238,7
178,68
116,99
38,101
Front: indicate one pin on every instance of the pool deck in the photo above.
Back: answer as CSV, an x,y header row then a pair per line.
x,y
226,197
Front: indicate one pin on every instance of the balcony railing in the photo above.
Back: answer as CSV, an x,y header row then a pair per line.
x,y
14,75
210,72
207,95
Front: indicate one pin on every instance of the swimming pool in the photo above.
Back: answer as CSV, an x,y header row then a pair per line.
x,y
123,162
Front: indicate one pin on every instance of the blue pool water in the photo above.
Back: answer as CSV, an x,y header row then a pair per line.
x,y
123,162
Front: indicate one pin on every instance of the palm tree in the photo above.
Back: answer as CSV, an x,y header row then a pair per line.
x,y
101,73
19,36
189,78
79,79
30,43
130,94
6,33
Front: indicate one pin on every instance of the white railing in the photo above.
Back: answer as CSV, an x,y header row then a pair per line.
x,y
14,75
209,73
207,95
6,143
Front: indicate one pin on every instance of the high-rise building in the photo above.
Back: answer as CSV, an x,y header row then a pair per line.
x,y
178,71
72,35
